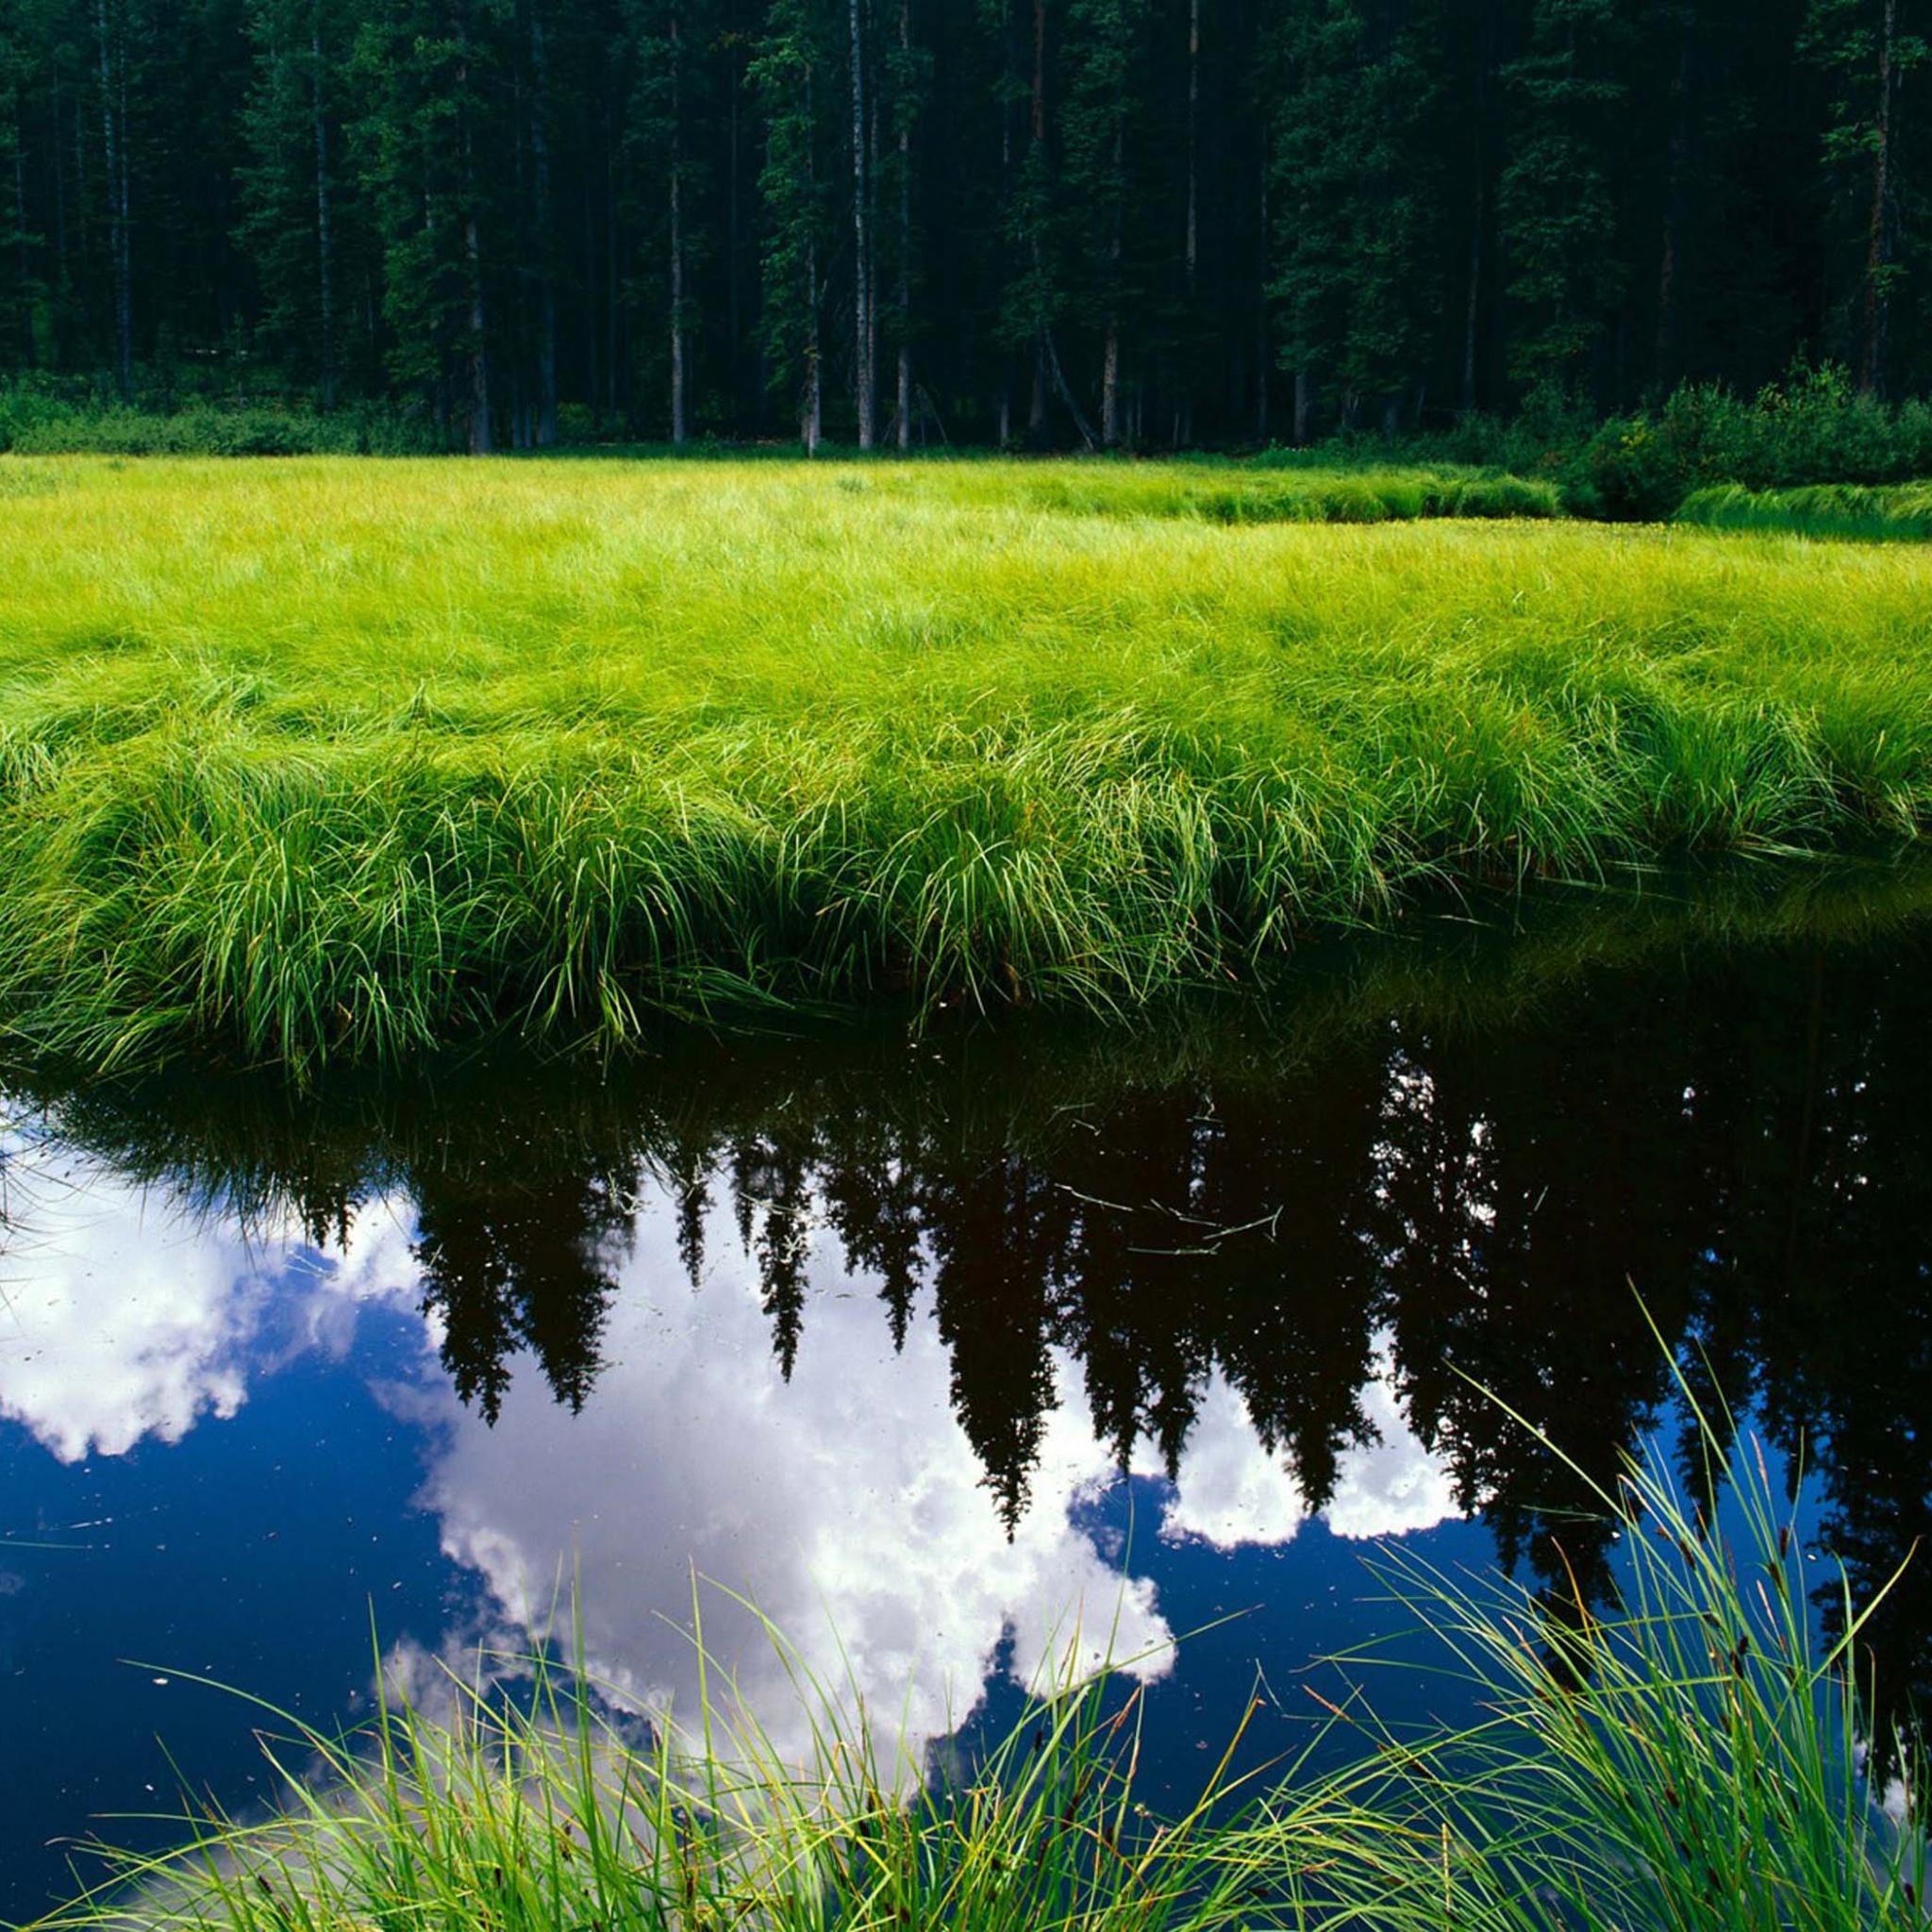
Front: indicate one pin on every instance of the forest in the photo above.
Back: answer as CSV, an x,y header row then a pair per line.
x,y
1148,224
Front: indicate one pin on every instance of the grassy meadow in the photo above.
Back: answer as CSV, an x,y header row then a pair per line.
x,y
326,757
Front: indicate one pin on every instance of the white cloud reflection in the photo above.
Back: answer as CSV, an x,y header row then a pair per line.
x,y
128,1315
848,1505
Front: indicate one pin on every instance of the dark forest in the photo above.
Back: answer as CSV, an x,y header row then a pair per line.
x,y
1153,222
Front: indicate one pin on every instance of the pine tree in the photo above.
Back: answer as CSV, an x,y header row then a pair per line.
x,y
1559,199
1356,282
19,290
789,73
294,216
1866,53
424,141
1103,37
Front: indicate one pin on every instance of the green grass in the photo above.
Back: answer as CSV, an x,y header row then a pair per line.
x,y
320,759
1238,493
1686,1759
1900,512
1690,1756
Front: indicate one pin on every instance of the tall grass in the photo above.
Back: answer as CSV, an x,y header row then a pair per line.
x,y
1226,493
1874,514
550,1809
1692,1757
1689,1758
322,759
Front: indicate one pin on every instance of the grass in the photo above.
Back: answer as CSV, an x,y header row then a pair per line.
x,y
1228,493
325,760
1689,1758
1692,1757
1899,512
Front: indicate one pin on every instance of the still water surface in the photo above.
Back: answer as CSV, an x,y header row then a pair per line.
x,y
953,1348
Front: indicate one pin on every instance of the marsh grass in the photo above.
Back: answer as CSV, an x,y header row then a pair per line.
x,y
1691,1757
553,1810
1227,493
318,760
1894,513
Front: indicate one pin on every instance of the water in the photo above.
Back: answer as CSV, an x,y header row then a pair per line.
x,y
953,1348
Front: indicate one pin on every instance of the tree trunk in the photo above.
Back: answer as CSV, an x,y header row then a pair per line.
x,y
1878,243
26,264
611,292
1304,407
1184,411
811,422
863,386
545,436
325,277
1261,313
1673,213
1036,407
732,239
1471,311
114,161
680,426
60,209
1110,387
904,390
472,281
1110,358
1193,239
593,393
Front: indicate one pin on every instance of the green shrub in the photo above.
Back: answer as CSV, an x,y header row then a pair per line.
x,y
42,418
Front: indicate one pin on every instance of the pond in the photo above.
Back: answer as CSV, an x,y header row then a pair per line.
x,y
956,1346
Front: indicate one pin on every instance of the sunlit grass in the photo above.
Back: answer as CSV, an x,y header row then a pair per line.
x,y
320,757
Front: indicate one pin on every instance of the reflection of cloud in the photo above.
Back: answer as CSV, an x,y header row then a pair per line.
x,y
1390,1485
131,1316
848,1506
1229,1490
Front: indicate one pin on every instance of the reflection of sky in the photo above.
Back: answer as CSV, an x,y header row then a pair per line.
x,y
151,1365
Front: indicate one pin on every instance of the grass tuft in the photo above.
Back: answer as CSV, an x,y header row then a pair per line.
x,y
1896,513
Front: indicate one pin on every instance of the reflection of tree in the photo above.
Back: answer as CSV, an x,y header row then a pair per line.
x,y
1828,1293
513,1257
1476,1189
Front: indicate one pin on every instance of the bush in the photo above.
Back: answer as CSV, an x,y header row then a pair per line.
x,y
1811,428
42,417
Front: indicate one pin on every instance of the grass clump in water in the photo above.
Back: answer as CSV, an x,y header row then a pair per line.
x,y
1695,1756
322,759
